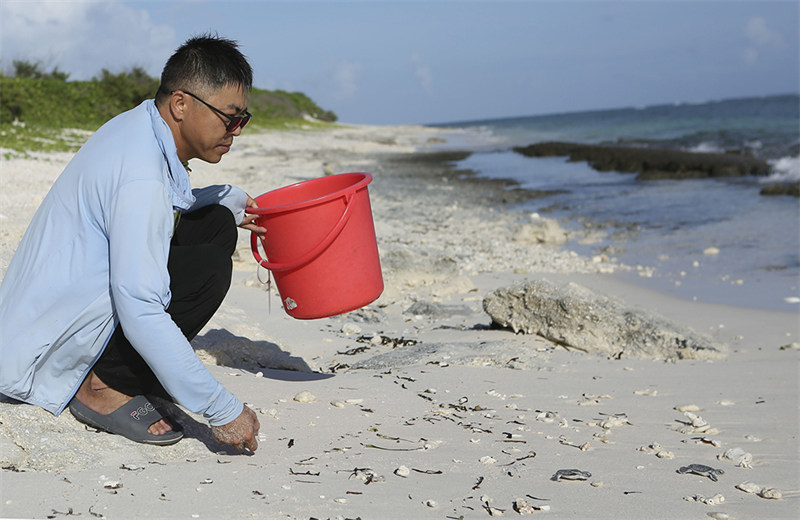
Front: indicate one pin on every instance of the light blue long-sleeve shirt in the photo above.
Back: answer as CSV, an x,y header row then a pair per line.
x,y
94,255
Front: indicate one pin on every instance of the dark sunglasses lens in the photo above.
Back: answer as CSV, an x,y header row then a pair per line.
x,y
238,122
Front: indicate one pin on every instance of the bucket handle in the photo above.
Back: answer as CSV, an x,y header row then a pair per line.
x,y
315,251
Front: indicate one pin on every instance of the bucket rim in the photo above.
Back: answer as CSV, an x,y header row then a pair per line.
x,y
366,178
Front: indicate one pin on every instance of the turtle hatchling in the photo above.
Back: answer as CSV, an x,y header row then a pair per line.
x,y
702,470
570,474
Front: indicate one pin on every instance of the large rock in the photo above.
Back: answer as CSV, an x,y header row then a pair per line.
x,y
782,188
651,163
578,318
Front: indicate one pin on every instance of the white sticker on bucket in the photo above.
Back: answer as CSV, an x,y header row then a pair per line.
x,y
289,304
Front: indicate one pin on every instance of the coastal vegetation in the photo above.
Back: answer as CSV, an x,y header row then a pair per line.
x,y
45,111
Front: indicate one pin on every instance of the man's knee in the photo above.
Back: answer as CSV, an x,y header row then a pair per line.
x,y
226,231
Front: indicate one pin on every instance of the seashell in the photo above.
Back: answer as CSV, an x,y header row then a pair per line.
x,y
570,474
708,440
696,420
647,391
486,459
367,475
749,487
711,501
770,493
597,483
664,454
738,456
340,500
546,417
305,397
522,507
652,448
431,503
614,422
687,408
112,484
350,328
402,471
337,404
716,515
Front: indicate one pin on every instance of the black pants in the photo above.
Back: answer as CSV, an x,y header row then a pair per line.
x,y
200,269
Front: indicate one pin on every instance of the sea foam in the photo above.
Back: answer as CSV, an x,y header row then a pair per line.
x,y
786,169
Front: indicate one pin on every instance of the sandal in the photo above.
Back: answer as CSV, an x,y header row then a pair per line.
x,y
130,420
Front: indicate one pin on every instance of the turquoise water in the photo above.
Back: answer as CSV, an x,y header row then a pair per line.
x,y
665,226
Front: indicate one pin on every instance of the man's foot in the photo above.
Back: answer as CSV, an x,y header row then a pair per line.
x,y
98,398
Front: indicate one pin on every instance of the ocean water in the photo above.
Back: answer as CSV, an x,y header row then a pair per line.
x,y
662,228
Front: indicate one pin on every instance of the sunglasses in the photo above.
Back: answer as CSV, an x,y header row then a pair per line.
x,y
234,122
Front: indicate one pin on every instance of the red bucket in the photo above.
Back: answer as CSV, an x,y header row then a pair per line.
x,y
320,245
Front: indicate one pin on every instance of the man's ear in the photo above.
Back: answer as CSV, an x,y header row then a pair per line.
x,y
177,105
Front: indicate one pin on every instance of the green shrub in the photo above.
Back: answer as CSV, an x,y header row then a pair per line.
x,y
47,101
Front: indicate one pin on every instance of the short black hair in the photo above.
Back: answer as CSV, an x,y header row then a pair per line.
x,y
204,64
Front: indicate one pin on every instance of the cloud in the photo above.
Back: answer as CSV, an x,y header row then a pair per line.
x,y
423,73
759,33
82,38
760,37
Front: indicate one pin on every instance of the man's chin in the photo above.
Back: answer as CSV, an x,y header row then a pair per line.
x,y
213,158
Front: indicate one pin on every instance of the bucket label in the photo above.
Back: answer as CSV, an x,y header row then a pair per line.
x,y
289,304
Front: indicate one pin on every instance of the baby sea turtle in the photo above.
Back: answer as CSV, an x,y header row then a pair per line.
x,y
571,474
702,470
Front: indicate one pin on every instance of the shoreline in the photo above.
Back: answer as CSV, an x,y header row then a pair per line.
x,y
479,417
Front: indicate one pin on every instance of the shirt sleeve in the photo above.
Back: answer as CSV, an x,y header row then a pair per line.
x,y
233,198
139,227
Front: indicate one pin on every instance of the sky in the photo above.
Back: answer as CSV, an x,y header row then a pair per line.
x,y
438,61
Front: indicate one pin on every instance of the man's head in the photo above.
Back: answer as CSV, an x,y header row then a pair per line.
x,y
203,96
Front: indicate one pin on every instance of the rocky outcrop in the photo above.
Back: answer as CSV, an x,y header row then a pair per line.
x,y
791,188
577,318
651,163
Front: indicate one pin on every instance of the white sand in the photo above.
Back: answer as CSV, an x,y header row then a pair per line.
x,y
462,423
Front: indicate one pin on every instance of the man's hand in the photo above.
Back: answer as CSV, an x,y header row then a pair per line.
x,y
241,432
248,222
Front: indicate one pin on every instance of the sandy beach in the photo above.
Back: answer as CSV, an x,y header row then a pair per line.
x,y
416,406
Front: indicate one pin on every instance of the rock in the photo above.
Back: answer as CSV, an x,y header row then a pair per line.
x,y
436,310
402,471
540,231
770,493
737,456
792,188
305,397
577,318
651,163
350,329
475,353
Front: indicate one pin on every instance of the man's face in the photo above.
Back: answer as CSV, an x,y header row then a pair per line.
x,y
204,131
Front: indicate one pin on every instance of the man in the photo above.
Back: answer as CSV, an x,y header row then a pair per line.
x,y
123,263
